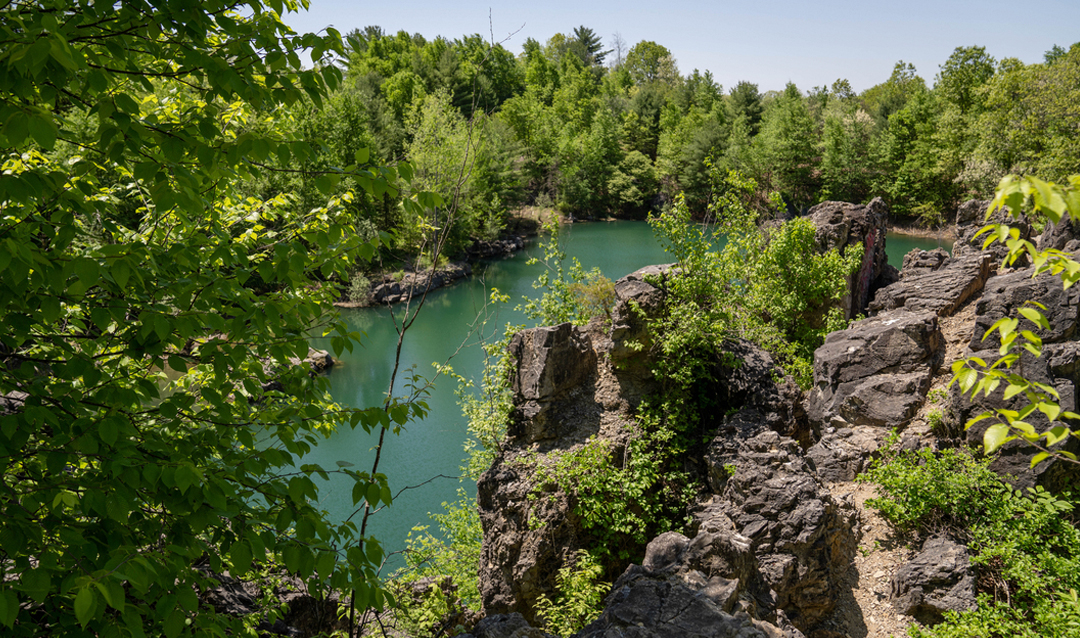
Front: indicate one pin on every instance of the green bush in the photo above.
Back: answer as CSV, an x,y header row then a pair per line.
x,y
1025,545
359,288
579,598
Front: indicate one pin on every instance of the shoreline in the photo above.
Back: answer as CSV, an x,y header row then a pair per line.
x,y
948,233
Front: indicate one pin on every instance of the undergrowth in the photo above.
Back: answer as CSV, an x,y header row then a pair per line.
x,y
1025,545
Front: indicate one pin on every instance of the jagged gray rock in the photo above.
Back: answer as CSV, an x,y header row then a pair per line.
x,y
942,288
839,225
939,579
843,453
1064,235
707,587
919,260
971,217
804,539
390,291
511,625
876,372
554,367
636,301
1005,294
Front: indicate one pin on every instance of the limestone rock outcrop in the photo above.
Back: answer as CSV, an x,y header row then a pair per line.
x,y
877,372
569,383
804,540
971,217
919,259
1003,296
930,283
939,579
839,225
705,587
391,291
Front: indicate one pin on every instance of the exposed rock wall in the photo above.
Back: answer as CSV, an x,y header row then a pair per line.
x,y
840,225
769,545
571,383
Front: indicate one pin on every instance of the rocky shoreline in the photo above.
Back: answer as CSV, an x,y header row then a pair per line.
x,y
392,289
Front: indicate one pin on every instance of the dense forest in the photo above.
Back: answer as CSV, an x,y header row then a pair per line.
x,y
598,132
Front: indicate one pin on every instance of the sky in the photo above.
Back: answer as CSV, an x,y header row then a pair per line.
x,y
767,42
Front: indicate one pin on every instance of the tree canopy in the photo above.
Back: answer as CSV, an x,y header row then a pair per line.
x,y
153,418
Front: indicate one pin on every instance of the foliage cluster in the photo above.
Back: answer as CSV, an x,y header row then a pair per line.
x,y
627,137
580,593
767,284
1025,546
153,417
575,296
624,497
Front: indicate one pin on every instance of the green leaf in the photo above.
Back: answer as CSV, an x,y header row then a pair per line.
x,y
1051,410
1039,458
43,130
84,605
1035,317
361,156
240,555
996,436
9,607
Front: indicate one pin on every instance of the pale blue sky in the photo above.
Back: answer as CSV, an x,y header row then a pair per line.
x,y
766,42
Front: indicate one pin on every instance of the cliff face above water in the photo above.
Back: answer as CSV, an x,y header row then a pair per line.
x,y
771,540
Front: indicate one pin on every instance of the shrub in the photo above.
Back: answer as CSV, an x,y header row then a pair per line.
x,y
359,289
579,598
1025,545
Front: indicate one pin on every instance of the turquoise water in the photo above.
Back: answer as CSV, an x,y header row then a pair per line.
x,y
426,455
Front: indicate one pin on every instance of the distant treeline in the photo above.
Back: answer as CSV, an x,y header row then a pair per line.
x,y
620,131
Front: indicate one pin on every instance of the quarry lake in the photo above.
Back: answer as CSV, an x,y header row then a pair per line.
x,y
426,455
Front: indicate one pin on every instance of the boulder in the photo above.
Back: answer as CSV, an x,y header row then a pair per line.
x,y
920,260
505,626
1013,461
877,371
803,538
704,587
304,615
495,248
840,225
636,301
748,378
938,579
390,291
1064,235
1005,294
526,539
318,361
843,453
971,218
940,288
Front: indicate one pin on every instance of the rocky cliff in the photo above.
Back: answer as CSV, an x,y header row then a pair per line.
x,y
770,540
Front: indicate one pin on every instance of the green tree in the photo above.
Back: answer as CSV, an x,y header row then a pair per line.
x,y
745,102
587,45
787,149
152,418
890,96
846,167
962,75
648,61
1030,119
